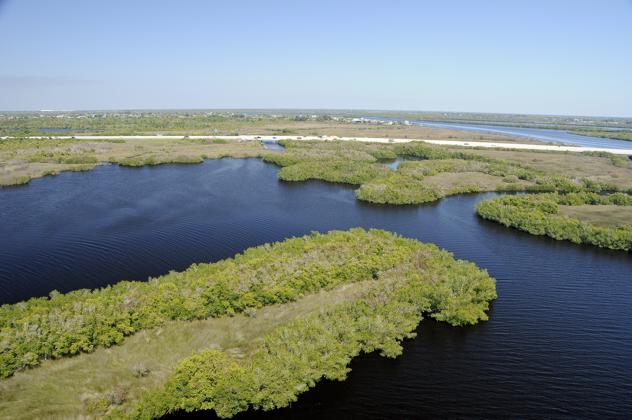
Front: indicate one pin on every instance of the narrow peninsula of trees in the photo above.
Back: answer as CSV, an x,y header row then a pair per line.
x,y
294,357
407,279
539,214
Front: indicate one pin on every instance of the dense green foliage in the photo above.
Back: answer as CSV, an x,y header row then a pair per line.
x,y
349,163
14,144
63,157
348,172
538,214
82,320
154,160
396,188
383,153
295,356
360,164
407,185
422,151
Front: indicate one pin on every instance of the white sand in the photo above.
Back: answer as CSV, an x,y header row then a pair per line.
x,y
521,146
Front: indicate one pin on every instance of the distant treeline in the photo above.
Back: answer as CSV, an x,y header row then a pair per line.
x,y
556,122
113,123
608,134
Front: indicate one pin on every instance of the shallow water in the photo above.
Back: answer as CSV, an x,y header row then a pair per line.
x,y
272,145
558,342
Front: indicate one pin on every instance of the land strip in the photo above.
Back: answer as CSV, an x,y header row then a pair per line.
x,y
458,143
145,360
253,331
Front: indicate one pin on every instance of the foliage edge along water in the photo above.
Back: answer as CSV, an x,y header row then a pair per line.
x,y
231,388
409,279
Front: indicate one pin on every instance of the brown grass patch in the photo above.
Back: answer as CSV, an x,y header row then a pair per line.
x,y
600,215
575,165
64,388
449,181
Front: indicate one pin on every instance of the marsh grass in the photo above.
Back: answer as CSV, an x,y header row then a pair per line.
x,y
600,167
461,182
25,159
602,220
600,215
66,387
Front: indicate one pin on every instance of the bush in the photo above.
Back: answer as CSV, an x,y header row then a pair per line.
x,y
155,160
394,188
80,321
348,172
538,214
295,356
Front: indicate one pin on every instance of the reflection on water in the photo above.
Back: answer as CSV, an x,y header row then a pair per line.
x,y
557,343
393,164
272,145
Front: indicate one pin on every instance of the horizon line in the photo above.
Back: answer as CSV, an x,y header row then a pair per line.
x,y
308,109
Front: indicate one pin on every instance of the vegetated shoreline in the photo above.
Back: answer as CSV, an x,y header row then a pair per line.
x,y
431,178
414,181
60,154
23,160
435,171
352,163
625,135
539,214
409,278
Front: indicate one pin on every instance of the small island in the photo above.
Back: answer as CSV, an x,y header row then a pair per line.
x,y
253,331
604,220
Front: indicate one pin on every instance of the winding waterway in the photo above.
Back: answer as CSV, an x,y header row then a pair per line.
x,y
558,342
544,134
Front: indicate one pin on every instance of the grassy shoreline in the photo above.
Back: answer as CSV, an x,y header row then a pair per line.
x,y
379,284
360,290
539,214
145,360
23,160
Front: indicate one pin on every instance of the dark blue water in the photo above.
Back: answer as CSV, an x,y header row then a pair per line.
x,y
544,134
558,342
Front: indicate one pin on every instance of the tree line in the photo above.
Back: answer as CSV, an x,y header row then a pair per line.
x,y
538,214
295,356
83,320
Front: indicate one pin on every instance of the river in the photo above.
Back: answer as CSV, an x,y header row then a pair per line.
x,y
558,342
543,134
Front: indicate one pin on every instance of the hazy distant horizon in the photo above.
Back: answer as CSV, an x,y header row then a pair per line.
x,y
306,110
569,58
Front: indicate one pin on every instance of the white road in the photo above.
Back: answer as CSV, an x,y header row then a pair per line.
x,y
520,146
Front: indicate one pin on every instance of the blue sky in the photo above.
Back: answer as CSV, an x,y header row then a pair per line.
x,y
550,57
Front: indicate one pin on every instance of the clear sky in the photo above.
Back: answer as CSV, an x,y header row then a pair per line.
x,y
550,57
